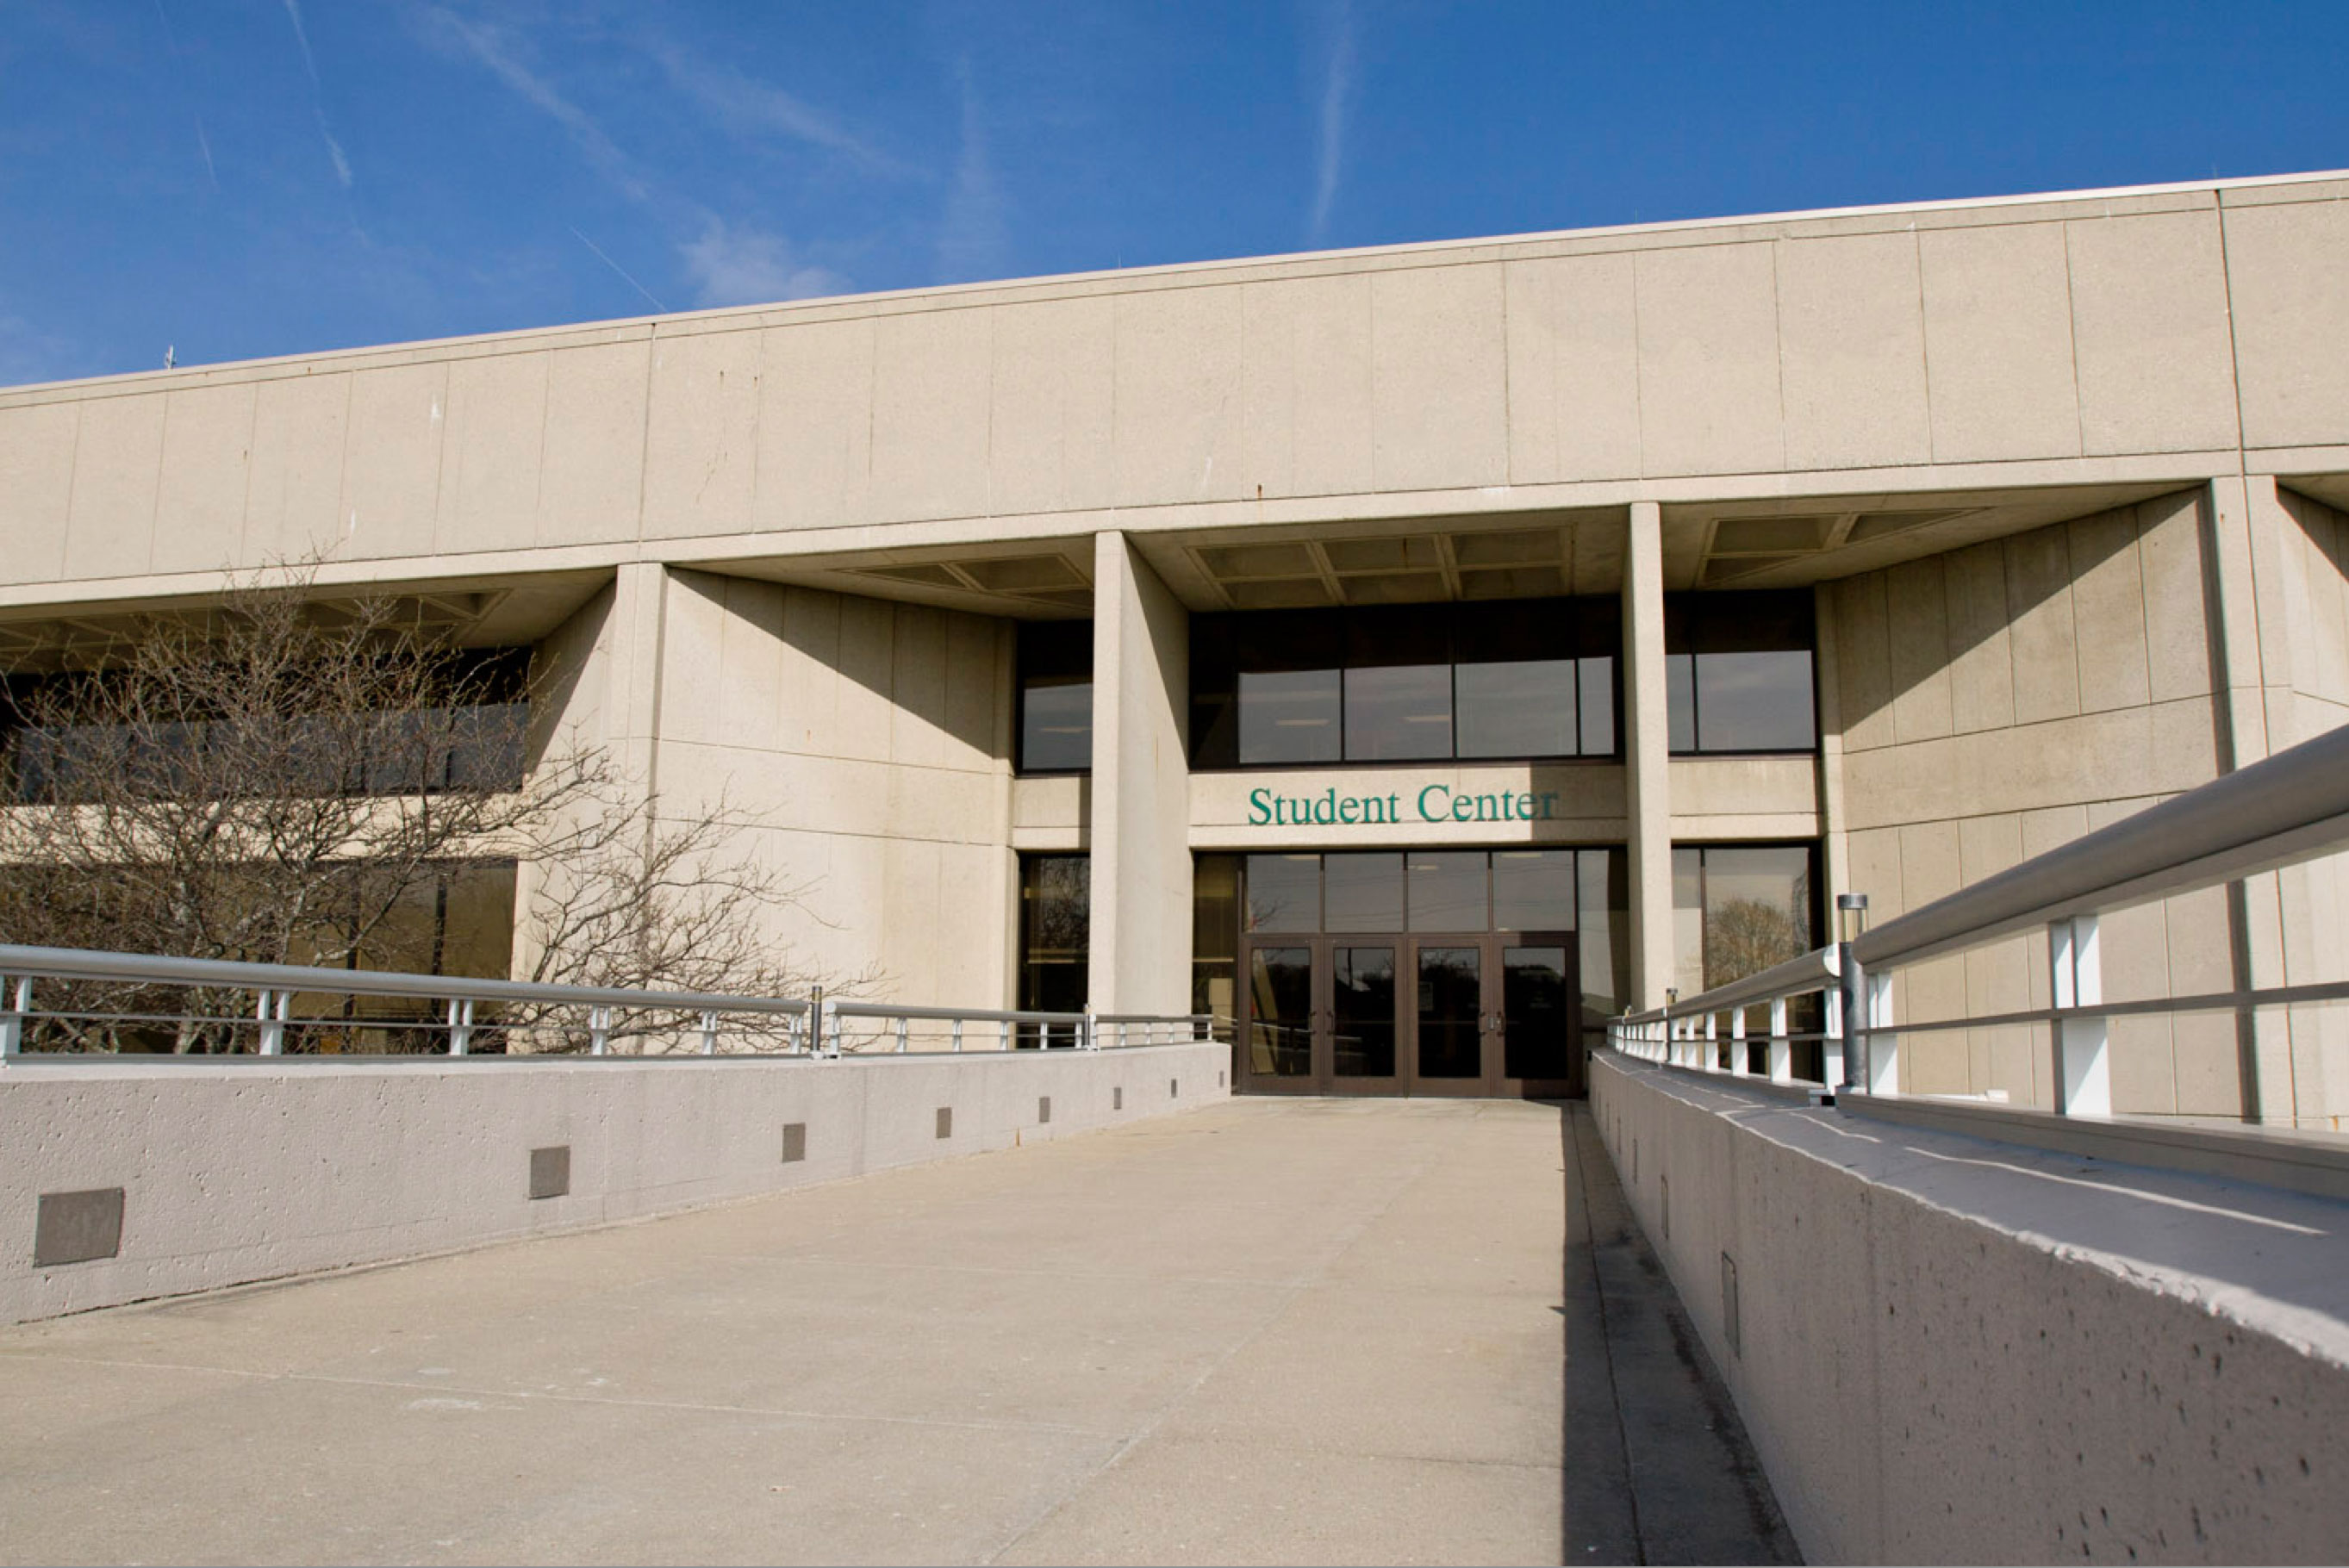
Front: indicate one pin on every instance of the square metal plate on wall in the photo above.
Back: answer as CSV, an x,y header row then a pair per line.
x,y
77,1227
794,1143
550,1172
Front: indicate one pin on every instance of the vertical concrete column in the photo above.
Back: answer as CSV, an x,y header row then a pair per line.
x,y
1141,957
636,635
1646,755
2245,569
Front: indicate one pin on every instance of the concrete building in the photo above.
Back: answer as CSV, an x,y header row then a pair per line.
x,y
1415,654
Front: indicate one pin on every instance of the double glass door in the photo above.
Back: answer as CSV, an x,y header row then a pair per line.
x,y
1481,1014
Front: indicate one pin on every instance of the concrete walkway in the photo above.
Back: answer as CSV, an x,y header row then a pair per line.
x,y
1268,1331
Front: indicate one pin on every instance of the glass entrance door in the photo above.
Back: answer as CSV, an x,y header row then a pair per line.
x,y
1477,1014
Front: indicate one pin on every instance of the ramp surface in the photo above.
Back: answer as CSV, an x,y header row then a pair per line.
x,y
1268,1331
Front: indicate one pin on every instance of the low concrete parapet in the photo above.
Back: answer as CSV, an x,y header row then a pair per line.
x,y
1949,1349
121,1180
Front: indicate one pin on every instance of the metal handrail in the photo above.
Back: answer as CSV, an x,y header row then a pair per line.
x,y
84,964
2289,807
810,1026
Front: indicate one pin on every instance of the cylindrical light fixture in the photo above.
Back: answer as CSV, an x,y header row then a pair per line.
x,y
1851,915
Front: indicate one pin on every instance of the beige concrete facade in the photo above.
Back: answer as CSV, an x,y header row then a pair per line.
x,y
2062,473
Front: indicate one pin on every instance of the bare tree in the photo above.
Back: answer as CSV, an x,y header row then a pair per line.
x,y
1745,936
280,779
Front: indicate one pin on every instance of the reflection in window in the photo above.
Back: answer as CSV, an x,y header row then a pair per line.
x,y
1516,678
1284,892
1214,936
1364,891
1448,889
1055,931
1056,696
1738,909
1737,672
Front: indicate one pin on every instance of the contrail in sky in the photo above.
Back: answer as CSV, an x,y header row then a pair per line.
x,y
626,275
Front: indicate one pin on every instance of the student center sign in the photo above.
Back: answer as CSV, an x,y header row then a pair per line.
x,y
1411,655
1431,803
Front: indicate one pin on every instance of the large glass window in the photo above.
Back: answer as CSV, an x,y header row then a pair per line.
x,y
1737,672
1516,678
1737,909
69,737
1056,696
1055,931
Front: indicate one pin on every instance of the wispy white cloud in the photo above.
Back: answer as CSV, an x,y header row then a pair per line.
x,y
317,97
751,267
755,109
180,63
972,234
497,50
1338,75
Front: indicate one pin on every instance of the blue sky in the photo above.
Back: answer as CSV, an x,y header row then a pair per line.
x,y
240,178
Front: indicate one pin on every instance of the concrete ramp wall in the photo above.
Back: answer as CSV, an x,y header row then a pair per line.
x,y
1952,1350
167,1177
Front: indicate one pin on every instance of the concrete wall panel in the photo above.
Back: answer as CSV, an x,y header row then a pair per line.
x,y
2155,356
1180,402
932,385
814,463
299,434
701,439
1439,378
1307,386
591,483
2288,284
118,458
1709,387
36,468
1998,344
496,444
207,464
391,467
1852,352
1574,369
1053,387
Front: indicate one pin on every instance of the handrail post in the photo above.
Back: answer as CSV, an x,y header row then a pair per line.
x,y
599,1030
460,1026
957,1035
1851,1009
709,1034
1782,1049
1091,1040
1002,1034
1739,1067
18,989
904,1028
271,1010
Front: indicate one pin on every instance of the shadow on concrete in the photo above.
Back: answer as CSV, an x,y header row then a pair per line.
x,y
1657,1467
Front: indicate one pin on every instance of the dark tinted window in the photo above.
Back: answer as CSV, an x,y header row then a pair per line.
x,y
1055,931
1056,696
1738,672
1516,678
